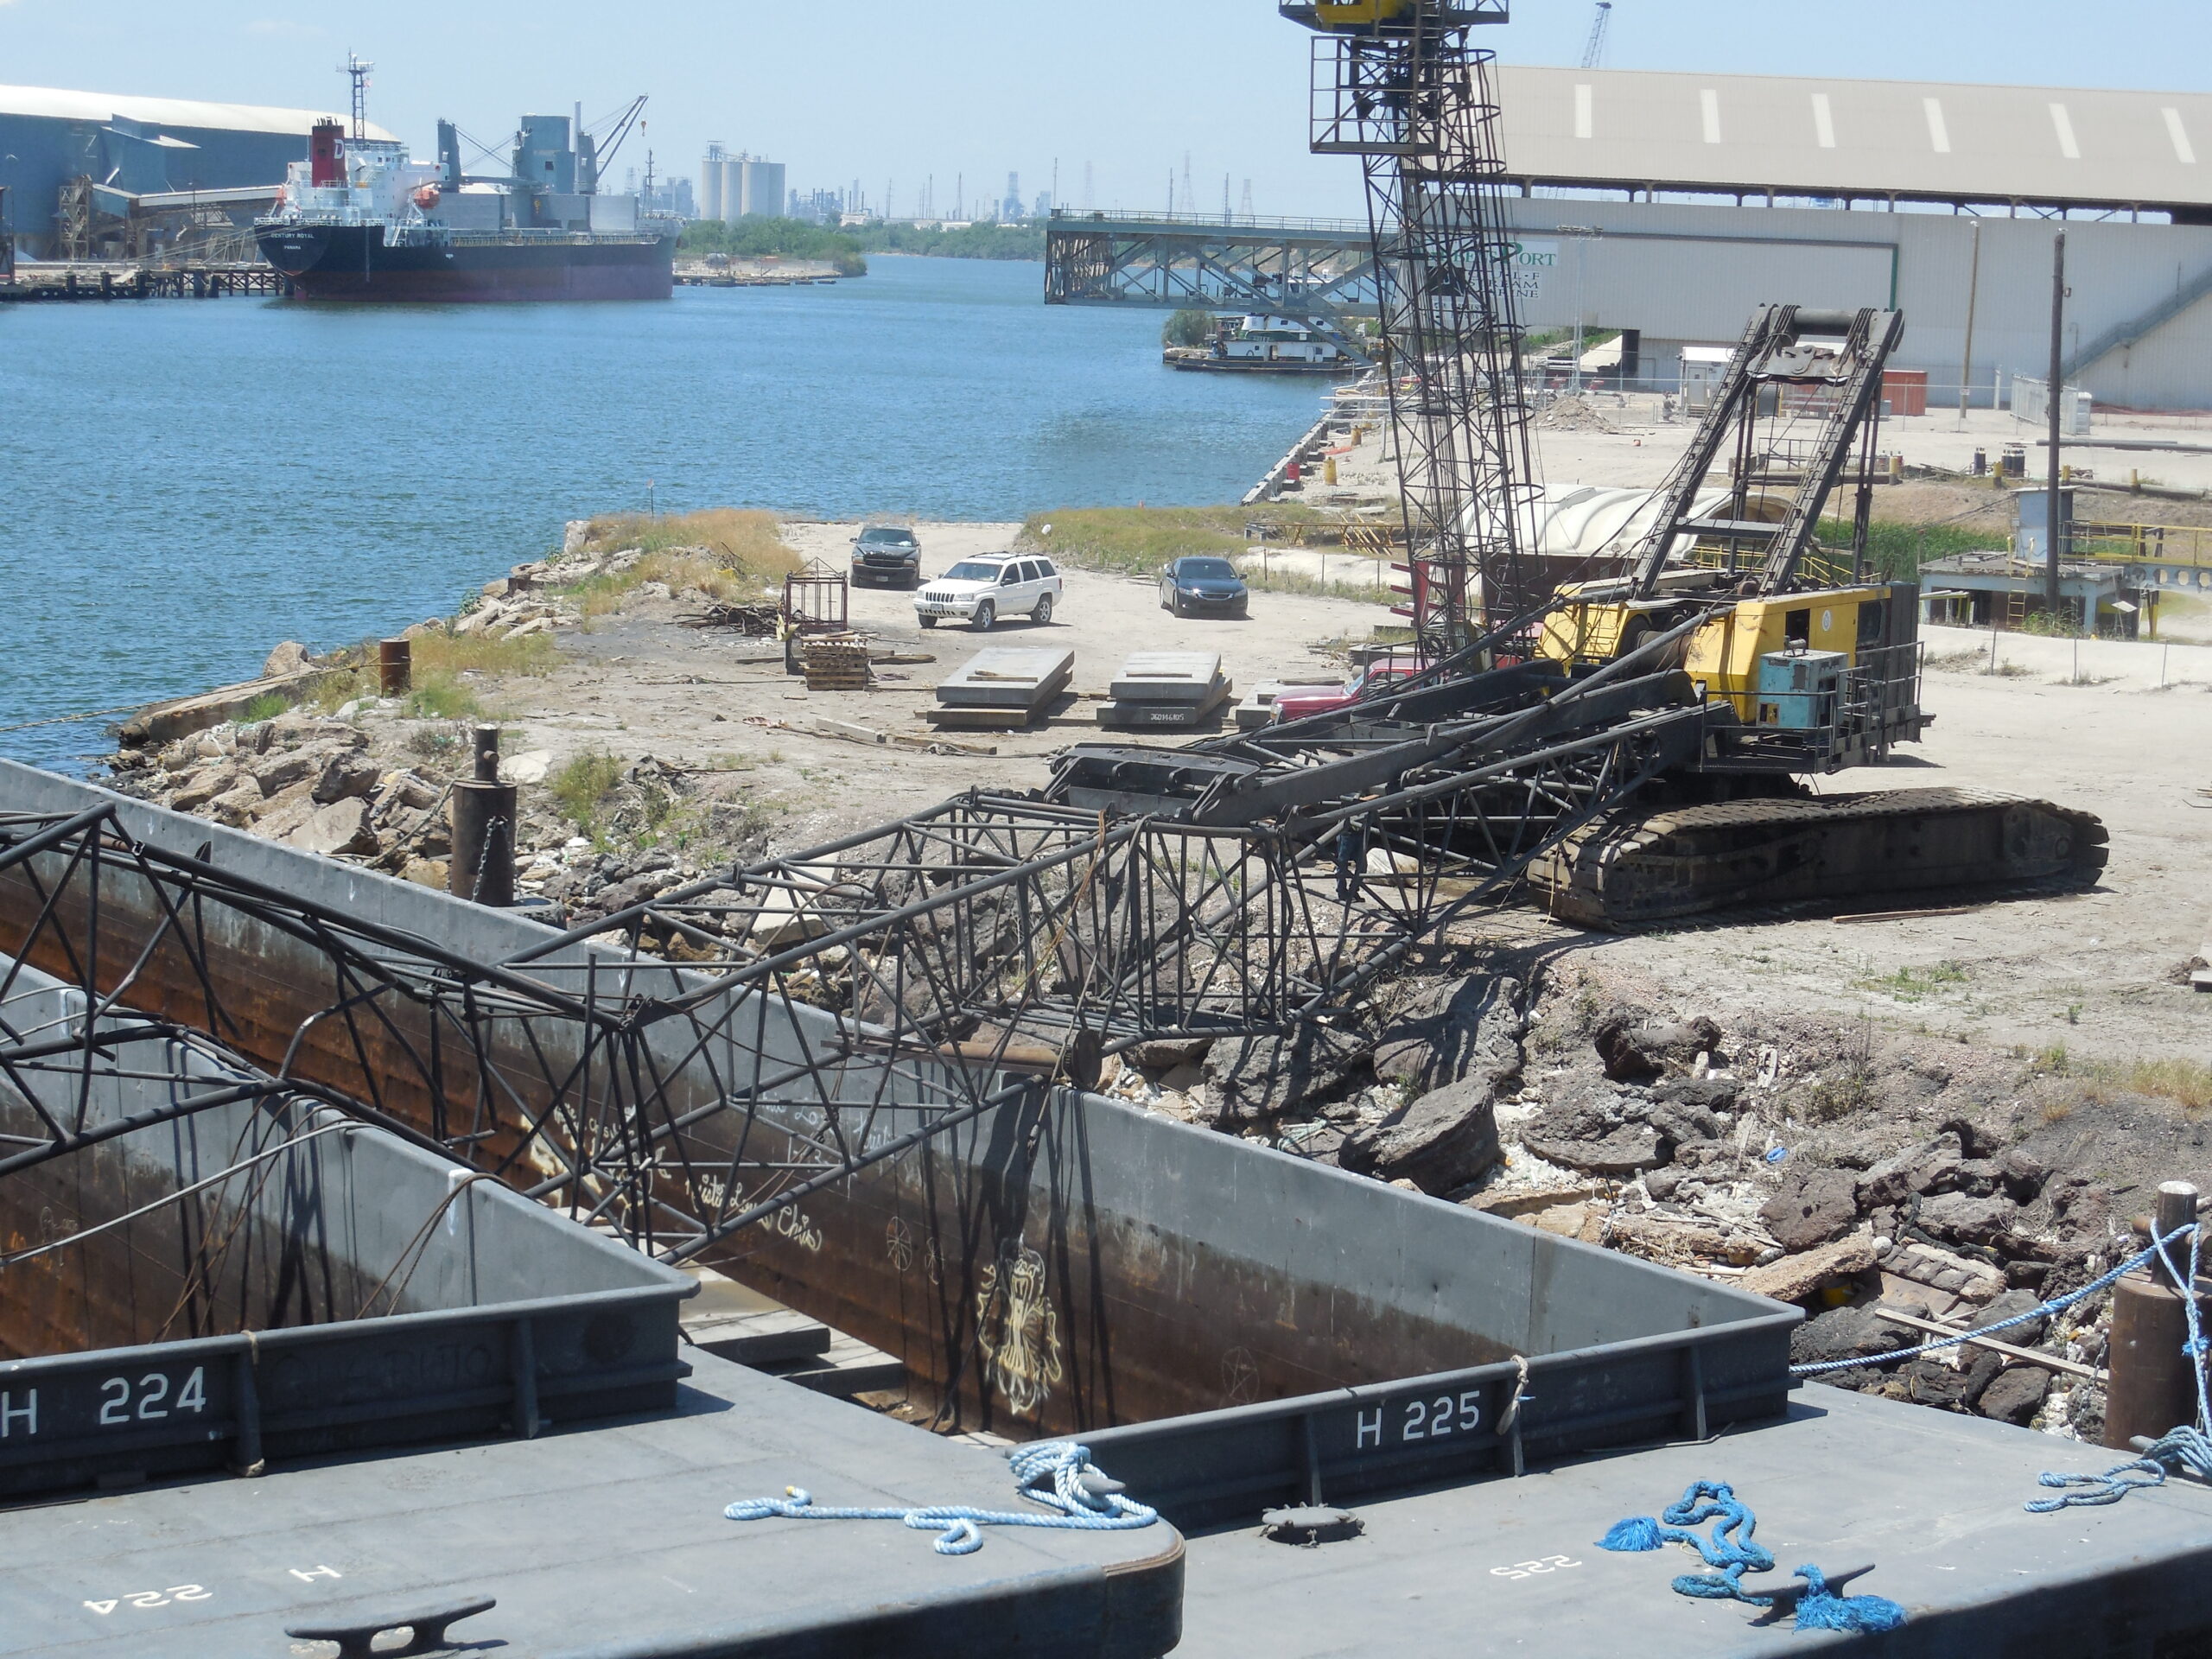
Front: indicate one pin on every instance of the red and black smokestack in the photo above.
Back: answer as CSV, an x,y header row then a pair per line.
x,y
326,148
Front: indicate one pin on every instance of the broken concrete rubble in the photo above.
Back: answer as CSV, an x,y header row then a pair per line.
x,y
1445,1138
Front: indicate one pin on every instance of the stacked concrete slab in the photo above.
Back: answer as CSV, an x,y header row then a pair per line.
x,y
1166,688
1001,687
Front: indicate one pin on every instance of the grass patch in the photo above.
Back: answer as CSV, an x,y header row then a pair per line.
x,y
1911,984
1137,541
581,786
1897,551
727,552
2188,1083
267,706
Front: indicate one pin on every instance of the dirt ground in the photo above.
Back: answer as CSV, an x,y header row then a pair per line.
x,y
2092,972
718,704
1623,441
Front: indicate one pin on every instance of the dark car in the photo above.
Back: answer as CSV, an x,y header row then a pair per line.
x,y
1203,586
887,554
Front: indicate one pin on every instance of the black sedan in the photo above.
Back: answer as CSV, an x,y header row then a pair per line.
x,y
886,553
1202,586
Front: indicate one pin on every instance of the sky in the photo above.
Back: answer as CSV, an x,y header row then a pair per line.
x,y
891,93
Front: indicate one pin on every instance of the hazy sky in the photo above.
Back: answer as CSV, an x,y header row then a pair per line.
x,y
894,90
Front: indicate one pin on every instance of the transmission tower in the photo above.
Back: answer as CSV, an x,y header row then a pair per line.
x,y
1244,207
1407,92
1593,55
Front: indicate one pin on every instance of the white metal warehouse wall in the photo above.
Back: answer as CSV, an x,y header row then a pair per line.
x,y
1684,272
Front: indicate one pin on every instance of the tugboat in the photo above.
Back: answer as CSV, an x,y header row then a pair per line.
x,y
1257,345
359,220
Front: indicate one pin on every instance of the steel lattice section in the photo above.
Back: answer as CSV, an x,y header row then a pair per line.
x,y
1413,100
704,1060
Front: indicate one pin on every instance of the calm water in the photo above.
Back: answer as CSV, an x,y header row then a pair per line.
x,y
182,484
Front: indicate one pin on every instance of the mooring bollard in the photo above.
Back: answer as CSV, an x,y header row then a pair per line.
x,y
483,867
394,667
2152,1388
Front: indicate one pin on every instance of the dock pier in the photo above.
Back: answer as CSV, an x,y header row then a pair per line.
x,y
187,282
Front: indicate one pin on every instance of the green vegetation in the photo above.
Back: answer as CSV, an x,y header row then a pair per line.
x,y
1911,984
969,242
1137,541
267,706
1187,328
583,784
1897,551
773,239
727,552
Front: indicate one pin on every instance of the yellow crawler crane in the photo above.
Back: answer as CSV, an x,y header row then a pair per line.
x,y
1807,665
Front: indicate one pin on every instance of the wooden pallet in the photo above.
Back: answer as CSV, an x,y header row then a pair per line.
x,y
834,663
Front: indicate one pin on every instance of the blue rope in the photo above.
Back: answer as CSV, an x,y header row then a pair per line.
x,y
1064,1462
2042,1310
2189,1446
1730,1547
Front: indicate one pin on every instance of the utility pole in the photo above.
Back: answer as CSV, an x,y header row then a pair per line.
x,y
2057,364
1974,288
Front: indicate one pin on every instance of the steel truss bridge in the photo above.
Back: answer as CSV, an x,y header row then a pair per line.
x,y
701,1062
1318,269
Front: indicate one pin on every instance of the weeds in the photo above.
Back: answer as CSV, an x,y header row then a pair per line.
x,y
725,553
583,784
1137,541
1911,984
2187,1083
267,706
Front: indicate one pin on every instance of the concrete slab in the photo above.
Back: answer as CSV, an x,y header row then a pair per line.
x,y
1007,676
1126,711
1932,1499
609,1543
1167,677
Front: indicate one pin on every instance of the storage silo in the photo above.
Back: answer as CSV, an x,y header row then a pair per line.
x,y
763,194
733,176
710,182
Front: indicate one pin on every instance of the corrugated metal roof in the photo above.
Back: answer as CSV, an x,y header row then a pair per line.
x,y
1937,140
56,104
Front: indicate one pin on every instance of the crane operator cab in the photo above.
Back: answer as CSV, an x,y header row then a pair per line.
x,y
1808,665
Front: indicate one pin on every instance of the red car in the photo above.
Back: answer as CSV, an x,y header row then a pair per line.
x,y
1297,701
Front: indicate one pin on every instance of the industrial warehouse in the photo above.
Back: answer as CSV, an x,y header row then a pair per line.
x,y
91,176
1534,1037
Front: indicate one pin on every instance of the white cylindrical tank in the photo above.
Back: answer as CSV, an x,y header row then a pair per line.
x,y
763,190
711,186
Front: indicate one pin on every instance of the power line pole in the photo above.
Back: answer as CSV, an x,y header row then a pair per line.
x,y
1974,288
2058,364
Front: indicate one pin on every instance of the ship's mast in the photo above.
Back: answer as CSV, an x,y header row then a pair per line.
x,y
359,71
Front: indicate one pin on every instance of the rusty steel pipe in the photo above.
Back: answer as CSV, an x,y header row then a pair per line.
x,y
2153,1386
394,667
483,865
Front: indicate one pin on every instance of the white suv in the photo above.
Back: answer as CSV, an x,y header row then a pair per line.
x,y
981,591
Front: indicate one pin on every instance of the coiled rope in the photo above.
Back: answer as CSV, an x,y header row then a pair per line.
x,y
1085,1499
2189,1446
1732,1549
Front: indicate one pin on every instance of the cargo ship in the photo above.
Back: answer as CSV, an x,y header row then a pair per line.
x,y
360,220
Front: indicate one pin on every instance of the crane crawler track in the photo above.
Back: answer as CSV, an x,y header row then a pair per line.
x,y
1629,870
